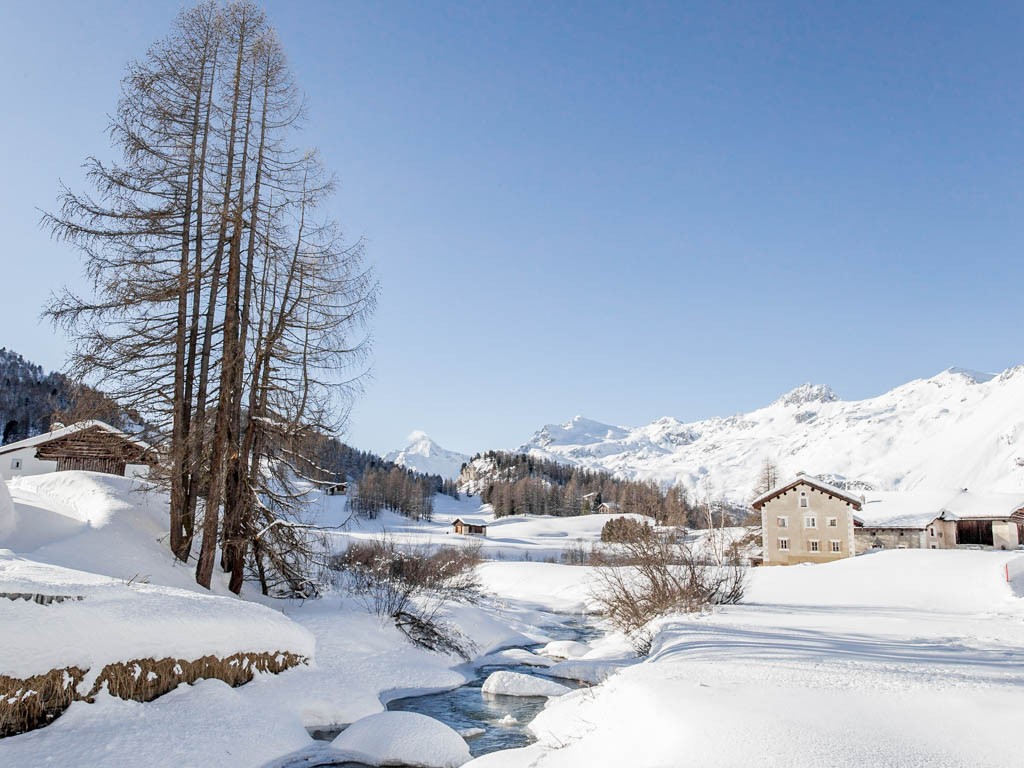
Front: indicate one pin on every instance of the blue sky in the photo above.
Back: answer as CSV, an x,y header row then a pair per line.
x,y
625,211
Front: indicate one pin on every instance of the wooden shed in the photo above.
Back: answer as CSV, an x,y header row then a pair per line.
x,y
93,446
470,526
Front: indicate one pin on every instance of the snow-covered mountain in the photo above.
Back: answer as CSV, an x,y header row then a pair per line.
x,y
956,429
424,455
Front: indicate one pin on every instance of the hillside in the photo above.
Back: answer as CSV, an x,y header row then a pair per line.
x,y
31,399
955,429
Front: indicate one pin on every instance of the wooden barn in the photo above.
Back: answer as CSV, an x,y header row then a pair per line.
x,y
93,446
470,526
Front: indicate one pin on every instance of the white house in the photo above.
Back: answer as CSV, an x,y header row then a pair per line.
x,y
88,445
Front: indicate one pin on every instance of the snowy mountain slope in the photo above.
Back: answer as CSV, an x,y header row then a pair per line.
x,y
424,455
956,429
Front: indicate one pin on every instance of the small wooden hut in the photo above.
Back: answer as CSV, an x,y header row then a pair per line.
x,y
470,526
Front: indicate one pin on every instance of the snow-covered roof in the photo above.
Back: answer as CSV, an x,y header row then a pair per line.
x,y
814,482
71,429
470,521
916,509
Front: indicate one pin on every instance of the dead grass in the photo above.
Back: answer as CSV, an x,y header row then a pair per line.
x,y
30,703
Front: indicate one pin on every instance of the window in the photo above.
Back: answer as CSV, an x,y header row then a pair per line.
x,y
837,546
782,522
15,463
931,531
833,522
783,543
810,522
804,501
813,545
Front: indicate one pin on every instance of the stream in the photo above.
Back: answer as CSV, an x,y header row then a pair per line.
x,y
489,723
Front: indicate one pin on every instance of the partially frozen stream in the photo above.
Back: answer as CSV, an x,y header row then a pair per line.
x,y
503,719
495,722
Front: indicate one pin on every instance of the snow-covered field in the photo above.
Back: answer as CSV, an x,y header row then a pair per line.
x,y
899,658
516,537
903,658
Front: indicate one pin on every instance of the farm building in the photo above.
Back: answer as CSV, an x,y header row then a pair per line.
x,y
811,521
88,445
807,521
940,520
337,489
470,526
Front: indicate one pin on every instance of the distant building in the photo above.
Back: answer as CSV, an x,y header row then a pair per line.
x,y
811,521
941,520
470,526
338,489
807,521
608,508
88,445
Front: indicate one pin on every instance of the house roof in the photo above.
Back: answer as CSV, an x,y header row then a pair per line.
x,y
916,509
71,429
470,521
821,485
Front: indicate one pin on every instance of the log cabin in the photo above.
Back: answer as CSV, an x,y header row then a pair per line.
x,y
93,446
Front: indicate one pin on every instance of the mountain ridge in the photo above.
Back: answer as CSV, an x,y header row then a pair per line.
x,y
957,428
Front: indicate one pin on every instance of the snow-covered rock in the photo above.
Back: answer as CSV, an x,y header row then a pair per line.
x,y
402,738
506,683
565,649
424,455
956,429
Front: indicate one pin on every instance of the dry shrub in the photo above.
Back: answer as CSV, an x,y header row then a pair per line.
x,y
652,575
410,584
622,529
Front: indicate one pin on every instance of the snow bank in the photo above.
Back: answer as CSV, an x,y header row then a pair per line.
x,y
117,621
888,645
592,671
953,580
554,587
565,649
505,683
402,738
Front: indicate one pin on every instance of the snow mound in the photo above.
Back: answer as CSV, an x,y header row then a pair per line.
x,y
565,649
402,738
514,656
505,683
591,671
100,620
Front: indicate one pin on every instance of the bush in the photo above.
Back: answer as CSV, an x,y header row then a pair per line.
x,y
621,529
649,575
410,585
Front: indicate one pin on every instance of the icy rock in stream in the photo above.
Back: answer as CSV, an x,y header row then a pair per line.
x,y
505,683
402,738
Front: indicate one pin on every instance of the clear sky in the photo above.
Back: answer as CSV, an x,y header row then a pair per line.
x,y
624,211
